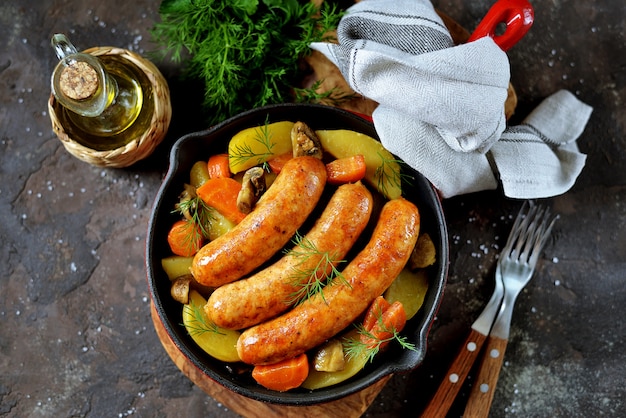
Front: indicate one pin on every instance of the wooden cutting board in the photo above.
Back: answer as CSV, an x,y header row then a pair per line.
x,y
354,405
349,407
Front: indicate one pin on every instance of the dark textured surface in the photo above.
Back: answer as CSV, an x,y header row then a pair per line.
x,y
76,337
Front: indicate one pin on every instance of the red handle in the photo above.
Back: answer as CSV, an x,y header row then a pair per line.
x,y
517,15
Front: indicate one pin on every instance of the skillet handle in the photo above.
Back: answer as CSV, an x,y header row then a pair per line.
x,y
517,15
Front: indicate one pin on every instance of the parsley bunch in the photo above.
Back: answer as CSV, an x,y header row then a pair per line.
x,y
246,52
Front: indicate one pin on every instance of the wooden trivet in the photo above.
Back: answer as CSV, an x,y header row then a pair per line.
x,y
349,407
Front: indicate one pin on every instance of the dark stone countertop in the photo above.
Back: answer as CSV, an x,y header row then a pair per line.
x,y
76,338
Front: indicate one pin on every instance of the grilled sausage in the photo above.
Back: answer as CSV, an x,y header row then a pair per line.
x,y
267,293
277,215
368,275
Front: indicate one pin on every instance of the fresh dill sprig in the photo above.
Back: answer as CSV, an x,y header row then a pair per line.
x,y
200,323
196,211
332,97
355,347
311,281
390,172
245,52
242,153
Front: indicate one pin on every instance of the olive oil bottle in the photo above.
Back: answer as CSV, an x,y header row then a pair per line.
x,y
106,100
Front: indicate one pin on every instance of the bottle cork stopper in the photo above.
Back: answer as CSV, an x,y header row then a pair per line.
x,y
78,81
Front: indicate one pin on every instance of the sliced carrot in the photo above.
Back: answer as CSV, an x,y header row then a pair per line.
x,y
375,311
346,170
277,163
218,166
185,238
284,375
221,194
393,319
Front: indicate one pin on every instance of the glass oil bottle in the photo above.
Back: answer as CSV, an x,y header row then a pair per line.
x,y
106,100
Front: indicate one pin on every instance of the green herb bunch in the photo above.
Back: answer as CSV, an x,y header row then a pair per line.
x,y
246,52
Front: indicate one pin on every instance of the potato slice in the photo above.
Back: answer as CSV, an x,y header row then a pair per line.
x,y
176,266
217,342
383,169
353,365
254,146
409,288
199,174
219,225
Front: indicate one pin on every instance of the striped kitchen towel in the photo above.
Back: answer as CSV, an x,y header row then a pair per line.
x,y
441,106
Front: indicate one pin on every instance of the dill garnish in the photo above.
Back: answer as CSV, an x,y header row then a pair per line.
x,y
389,172
355,347
200,323
198,213
242,153
245,52
333,97
311,281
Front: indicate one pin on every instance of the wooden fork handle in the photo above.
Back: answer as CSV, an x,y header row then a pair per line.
x,y
484,386
454,378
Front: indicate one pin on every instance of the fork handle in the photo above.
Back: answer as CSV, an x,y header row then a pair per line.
x,y
454,378
484,387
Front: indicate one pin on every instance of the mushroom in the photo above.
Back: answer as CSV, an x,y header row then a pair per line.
x,y
304,141
329,357
252,187
188,193
180,289
424,253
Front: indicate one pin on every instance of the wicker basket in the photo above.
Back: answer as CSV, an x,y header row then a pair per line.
x,y
145,142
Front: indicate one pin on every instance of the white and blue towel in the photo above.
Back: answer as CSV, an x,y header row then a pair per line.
x,y
441,106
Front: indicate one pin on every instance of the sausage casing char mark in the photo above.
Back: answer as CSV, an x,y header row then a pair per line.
x,y
368,275
277,215
265,294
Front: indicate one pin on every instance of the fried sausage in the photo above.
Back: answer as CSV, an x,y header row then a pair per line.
x,y
318,319
264,295
281,210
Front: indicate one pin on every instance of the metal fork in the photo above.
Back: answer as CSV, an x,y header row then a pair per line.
x,y
516,266
467,355
469,352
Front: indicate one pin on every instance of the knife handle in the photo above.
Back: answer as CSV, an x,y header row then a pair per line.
x,y
454,378
484,387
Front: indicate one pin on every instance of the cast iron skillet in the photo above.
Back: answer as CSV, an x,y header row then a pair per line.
x,y
195,146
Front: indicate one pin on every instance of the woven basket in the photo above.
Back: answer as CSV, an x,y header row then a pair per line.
x,y
145,142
